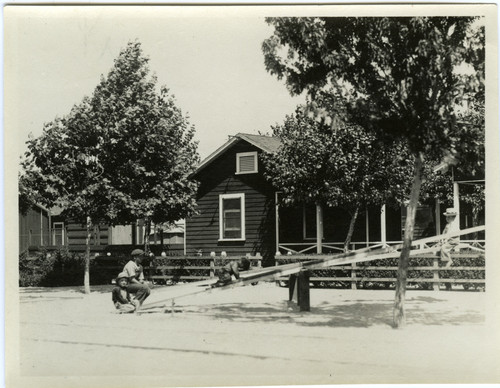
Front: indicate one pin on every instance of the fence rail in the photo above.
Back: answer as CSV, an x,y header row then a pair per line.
x,y
182,267
353,273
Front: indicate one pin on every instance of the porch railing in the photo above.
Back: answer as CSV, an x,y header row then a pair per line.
x,y
303,247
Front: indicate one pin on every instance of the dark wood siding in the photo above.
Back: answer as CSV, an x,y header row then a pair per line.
x,y
77,235
202,230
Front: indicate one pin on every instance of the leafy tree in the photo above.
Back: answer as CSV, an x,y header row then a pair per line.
x,y
341,165
152,146
27,198
124,153
471,157
397,77
467,164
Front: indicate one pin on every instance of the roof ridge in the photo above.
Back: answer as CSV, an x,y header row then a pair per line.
x,y
253,134
264,142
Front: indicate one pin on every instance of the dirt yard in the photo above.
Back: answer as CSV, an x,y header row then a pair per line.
x,y
251,336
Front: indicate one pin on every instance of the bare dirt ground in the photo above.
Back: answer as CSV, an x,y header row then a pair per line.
x,y
250,336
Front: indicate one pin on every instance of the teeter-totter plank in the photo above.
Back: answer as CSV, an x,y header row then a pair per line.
x,y
367,254
361,255
247,277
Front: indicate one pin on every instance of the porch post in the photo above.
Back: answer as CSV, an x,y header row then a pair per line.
x,y
51,242
438,216
367,231
277,221
185,237
319,228
383,229
41,227
456,199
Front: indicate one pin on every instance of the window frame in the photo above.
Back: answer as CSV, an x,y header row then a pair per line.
x,y
222,197
256,162
63,233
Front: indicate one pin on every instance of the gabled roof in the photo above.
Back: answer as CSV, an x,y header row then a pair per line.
x,y
265,143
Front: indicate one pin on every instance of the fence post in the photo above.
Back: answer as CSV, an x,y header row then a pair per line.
x,y
212,266
259,260
353,276
435,274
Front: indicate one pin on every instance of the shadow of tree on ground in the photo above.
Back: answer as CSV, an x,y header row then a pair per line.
x,y
358,313
27,291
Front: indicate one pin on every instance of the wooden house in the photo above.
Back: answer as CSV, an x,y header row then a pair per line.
x,y
236,204
239,211
34,228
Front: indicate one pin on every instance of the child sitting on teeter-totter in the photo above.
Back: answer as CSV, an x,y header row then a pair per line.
x,y
233,268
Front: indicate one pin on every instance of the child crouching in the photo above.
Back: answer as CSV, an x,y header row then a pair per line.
x,y
121,296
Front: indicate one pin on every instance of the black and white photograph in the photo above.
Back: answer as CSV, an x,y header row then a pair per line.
x,y
212,195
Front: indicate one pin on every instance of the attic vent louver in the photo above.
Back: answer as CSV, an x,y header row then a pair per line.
x,y
246,163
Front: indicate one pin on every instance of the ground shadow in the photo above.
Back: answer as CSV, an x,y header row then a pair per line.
x,y
357,313
100,289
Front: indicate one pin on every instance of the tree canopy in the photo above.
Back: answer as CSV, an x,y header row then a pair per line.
x,y
122,154
338,166
399,78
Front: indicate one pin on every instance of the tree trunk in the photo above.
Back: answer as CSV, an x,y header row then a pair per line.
x,y
86,279
399,317
147,232
354,217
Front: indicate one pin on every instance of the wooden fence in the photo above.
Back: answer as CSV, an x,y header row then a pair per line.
x,y
424,271
190,267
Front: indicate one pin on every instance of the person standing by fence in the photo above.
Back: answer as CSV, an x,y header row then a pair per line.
x,y
447,245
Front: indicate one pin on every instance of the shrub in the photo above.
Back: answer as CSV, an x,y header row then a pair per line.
x,y
61,268
34,268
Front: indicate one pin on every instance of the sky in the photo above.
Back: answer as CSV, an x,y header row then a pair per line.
x,y
213,65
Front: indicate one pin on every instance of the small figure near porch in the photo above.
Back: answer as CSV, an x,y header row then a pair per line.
x,y
133,271
120,295
448,244
231,269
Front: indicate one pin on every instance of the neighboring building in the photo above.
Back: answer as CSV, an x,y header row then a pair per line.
x,y
238,211
34,228
45,228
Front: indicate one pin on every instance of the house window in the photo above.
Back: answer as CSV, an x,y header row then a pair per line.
x,y
58,233
232,216
246,162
